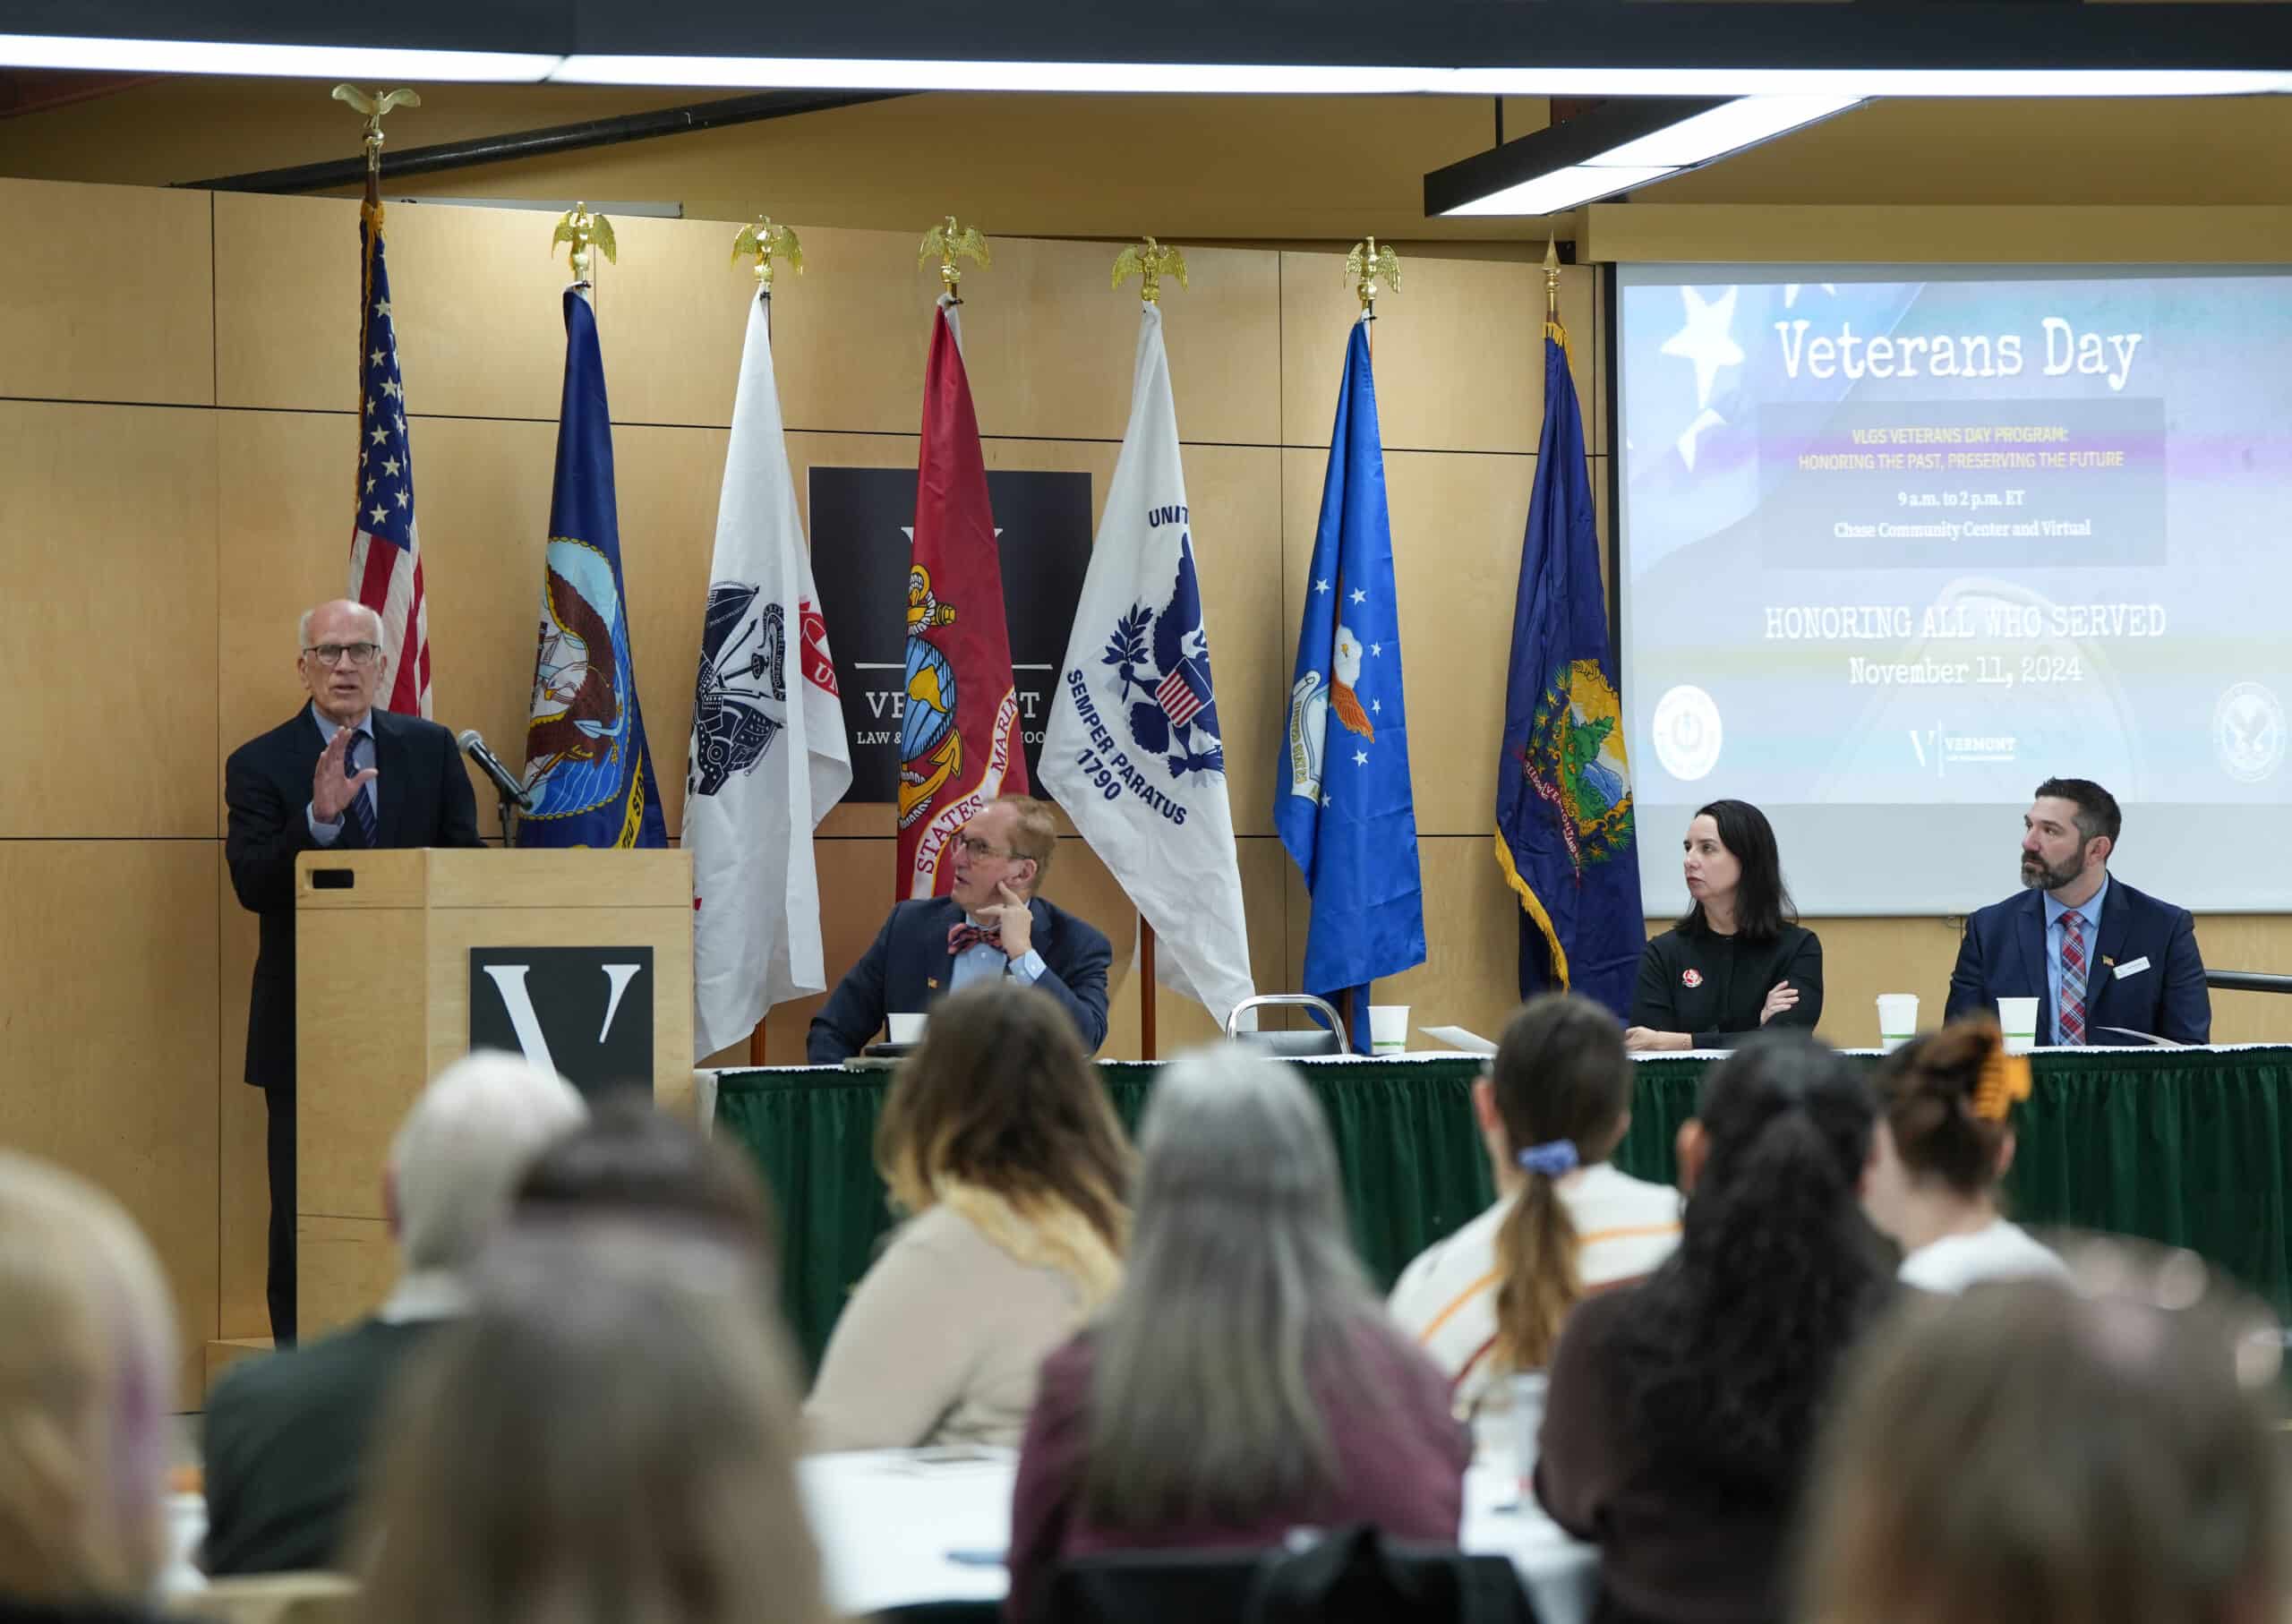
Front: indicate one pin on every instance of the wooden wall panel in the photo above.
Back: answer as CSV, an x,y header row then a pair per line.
x,y
107,952
243,1212
481,331
1458,354
107,544
109,295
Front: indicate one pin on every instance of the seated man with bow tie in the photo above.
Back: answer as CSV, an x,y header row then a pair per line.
x,y
991,924
2102,959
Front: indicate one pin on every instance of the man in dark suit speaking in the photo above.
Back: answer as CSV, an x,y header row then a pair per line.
x,y
990,924
339,775
2093,952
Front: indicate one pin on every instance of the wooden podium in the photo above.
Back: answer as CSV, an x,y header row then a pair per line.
x,y
385,944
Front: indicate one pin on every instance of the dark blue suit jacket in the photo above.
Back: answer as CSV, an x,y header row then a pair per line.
x,y
425,801
909,968
2003,956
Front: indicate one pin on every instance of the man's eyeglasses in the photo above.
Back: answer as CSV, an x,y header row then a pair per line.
x,y
360,654
979,848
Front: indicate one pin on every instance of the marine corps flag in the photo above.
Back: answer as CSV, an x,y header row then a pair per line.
x,y
768,754
1563,791
959,746
1134,750
586,763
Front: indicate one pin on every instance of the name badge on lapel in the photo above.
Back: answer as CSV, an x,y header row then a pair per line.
x,y
2132,967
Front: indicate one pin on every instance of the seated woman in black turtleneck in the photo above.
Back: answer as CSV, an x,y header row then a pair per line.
x,y
1740,961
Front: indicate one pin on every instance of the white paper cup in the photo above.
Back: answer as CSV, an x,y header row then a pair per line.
x,y
2018,1018
904,1028
1897,1020
1389,1027
1527,1423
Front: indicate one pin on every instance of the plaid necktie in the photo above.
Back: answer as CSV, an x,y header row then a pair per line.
x,y
2072,977
362,806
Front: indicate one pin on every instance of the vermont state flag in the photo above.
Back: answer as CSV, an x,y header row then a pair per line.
x,y
588,766
1343,804
1563,791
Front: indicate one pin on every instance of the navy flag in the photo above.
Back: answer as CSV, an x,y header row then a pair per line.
x,y
586,762
1343,804
1563,791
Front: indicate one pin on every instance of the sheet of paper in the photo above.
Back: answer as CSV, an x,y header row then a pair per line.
x,y
1458,1037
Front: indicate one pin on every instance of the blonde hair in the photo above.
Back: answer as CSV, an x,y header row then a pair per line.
x,y
88,1373
609,1436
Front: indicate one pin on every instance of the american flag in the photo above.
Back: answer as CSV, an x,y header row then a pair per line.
x,y
385,557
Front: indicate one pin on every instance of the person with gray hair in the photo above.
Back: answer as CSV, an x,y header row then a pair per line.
x,y
342,774
286,1439
1245,1377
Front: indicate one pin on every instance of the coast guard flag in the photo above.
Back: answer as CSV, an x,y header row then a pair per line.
x,y
1133,750
1563,791
959,746
1342,802
385,557
768,756
586,764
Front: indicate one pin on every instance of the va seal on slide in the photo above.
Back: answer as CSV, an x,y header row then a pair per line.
x,y
1687,733
2248,732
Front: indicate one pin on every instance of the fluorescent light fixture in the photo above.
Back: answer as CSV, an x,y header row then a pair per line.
x,y
1861,83
1559,189
270,61
889,73
1723,129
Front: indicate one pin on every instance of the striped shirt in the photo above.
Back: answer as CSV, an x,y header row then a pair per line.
x,y
1447,1298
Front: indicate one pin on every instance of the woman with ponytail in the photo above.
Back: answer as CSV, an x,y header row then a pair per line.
x,y
1489,1302
1682,1412
1945,1137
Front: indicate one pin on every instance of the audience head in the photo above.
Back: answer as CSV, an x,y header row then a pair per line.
x,y
1557,1096
88,1373
1241,1311
608,1437
462,1148
2030,1451
2068,834
634,1162
1735,870
1777,1268
1000,1098
1945,1134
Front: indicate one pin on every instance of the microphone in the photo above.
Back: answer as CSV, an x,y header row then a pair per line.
x,y
505,782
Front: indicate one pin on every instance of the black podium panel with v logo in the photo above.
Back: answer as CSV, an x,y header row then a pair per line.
x,y
585,1012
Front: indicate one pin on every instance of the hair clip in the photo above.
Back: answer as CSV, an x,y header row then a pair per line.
x,y
2003,1079
1551,1159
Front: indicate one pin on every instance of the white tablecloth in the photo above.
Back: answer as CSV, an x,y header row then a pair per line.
x,y
888,1519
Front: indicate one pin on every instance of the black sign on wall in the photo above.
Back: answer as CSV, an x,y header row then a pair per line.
x,y
861,544
585,1012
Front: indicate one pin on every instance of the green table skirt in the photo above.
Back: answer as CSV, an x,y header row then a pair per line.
x,y
2191,1146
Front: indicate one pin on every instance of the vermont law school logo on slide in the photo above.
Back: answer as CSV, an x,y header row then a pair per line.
x,y
897,684
584,1012
2248,732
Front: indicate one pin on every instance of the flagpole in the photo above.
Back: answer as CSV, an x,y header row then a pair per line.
x,y
756,1037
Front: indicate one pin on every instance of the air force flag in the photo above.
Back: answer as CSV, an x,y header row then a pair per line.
x,y
1133,750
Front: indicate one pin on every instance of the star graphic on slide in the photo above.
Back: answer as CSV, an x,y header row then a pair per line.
x,y
1704,419
1791,292
1707,340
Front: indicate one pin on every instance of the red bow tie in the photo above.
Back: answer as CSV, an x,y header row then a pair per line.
x,y
962,937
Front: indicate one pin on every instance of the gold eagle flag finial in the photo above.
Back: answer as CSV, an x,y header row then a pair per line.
x,y
585,231
950,242
1366,266
1150,262
374,106
768,240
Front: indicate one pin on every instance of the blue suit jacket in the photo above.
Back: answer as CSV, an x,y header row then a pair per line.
x,y
2003,956
910,968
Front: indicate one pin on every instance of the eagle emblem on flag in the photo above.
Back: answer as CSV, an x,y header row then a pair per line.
x,y
1161,663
